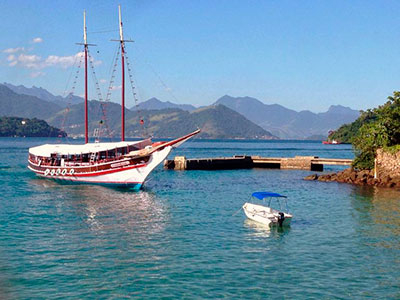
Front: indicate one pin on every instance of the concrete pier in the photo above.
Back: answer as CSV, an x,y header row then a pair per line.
x,y
313,163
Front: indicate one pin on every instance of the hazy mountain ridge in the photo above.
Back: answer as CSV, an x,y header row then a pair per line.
x,y
215,121
24,106
154,104
274,118
287,123
44,94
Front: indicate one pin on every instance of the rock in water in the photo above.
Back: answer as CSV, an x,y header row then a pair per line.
x,y
311,177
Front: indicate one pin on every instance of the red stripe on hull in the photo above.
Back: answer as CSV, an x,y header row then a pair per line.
x,y
98,181
108,171
87,174
133,184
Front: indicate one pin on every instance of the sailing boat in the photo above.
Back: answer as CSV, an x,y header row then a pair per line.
x,y
123,163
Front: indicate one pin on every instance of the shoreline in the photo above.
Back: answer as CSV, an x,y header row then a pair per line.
x,y
357,177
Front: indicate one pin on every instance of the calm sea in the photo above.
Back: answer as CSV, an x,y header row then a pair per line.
x,y
179,237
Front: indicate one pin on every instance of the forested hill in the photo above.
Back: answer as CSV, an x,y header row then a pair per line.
x,y
20,127
20,101
375,128
216,122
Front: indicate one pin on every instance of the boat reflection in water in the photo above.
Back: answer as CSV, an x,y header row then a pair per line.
x,y
256,229
107,210
263,230
138,212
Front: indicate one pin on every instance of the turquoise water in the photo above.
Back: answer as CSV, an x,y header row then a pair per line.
x,y
179,237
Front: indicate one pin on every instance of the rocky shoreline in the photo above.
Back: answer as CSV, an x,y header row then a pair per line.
x,y
362,177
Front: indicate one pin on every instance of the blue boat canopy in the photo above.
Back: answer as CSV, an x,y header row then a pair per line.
x,y
262,195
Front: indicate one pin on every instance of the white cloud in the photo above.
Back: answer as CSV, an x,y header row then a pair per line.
x,y
62,61
37,40
32,61
14,50
114,88
103,81
37,74
29,61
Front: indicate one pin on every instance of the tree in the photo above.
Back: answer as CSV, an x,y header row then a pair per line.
x,y
380,129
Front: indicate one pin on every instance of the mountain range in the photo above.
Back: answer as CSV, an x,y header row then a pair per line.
x,y
25,106
216,121
287,123
43,94
154,103
275,119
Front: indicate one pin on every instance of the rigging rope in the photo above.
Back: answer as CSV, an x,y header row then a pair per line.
x,y
71,93
167,89
141,119
103,104
103,31
114,67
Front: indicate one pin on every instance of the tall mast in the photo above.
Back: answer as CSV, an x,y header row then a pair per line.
x,y
86,81
121,36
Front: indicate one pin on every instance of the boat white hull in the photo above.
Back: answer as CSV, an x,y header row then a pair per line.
x,y
131,169
265,215
130,177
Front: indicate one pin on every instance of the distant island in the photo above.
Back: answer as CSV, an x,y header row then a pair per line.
x,y
20,127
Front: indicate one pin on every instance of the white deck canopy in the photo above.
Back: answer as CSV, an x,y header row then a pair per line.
x,y
72,149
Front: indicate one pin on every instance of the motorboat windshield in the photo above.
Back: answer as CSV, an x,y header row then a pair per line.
x,y
277,201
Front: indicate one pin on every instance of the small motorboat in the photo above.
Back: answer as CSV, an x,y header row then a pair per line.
x,y
266,214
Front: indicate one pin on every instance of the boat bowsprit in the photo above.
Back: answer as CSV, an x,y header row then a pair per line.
x,y
266,214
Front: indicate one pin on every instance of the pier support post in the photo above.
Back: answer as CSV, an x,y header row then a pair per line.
x,y
298,162
180,163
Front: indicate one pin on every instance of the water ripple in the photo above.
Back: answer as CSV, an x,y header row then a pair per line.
x,y
179,237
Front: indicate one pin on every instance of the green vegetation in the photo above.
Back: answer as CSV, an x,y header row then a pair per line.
x,y
13,126
393,149
346,132
375,128
216,122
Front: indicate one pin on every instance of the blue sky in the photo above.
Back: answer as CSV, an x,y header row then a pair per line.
x,y
300,54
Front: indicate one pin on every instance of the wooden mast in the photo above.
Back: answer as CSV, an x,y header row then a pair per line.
x,y
86,77
121,36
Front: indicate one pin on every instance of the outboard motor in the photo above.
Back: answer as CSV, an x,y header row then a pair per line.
x,y
281,218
